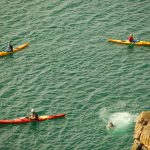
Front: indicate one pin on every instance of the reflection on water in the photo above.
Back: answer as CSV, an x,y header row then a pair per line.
x,y
34,126
130,48
7,56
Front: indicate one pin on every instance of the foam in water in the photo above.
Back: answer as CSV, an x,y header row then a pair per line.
x,y
121,120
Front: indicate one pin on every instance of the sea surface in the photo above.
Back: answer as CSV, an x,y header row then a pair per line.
x,y
69,67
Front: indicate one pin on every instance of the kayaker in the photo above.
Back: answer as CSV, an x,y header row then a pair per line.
x,y
34,115
130,38
9,48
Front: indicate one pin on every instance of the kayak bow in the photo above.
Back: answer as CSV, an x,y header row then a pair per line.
x,y
139,43
19,48
27,120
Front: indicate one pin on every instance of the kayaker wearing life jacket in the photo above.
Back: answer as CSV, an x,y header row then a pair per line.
x,y
130,38
34,115
9,48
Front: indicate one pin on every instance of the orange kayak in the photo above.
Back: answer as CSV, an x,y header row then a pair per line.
x,y
27,120
19,48
139,43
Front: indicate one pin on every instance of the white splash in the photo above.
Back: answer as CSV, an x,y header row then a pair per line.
x,y
122,119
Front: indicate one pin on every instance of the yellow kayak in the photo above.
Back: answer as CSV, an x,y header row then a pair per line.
x,y
19,48
139,43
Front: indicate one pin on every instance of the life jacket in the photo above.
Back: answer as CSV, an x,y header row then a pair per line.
x,y
34,116
130,38
10,48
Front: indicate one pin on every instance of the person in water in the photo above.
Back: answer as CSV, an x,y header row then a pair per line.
x,y
110,125
34,115
9,48
130,38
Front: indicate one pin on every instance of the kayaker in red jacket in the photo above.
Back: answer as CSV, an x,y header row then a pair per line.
x,y
130,38
34,115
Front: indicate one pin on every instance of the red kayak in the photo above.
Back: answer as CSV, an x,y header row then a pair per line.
x,y
26,120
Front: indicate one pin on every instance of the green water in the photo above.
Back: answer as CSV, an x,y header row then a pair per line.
x,y
70,68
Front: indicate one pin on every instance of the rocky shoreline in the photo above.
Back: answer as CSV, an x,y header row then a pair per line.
x,y
142,132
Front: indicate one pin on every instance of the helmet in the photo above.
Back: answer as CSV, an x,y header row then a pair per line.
x,y
32,110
